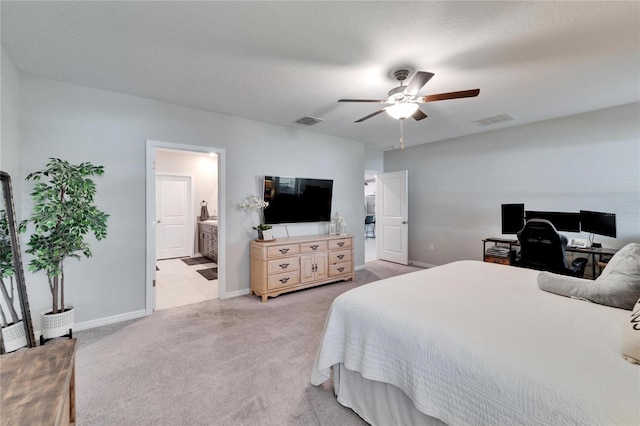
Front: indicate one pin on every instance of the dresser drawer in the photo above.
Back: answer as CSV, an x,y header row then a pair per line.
x,y
313,246
340,244
283,265
339,269
287,279
340,256
283,250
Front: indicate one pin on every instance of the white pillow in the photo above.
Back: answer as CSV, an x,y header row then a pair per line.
x,y
631,336
618,286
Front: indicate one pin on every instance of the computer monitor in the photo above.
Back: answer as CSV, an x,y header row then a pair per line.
x,y
562,221
598,223
512,218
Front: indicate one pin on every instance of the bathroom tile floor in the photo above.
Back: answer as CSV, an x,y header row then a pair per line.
x,y
179,284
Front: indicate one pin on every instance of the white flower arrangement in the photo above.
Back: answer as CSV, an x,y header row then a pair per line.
x,y
253,202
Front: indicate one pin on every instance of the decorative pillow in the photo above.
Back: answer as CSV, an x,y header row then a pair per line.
x,y
618,286
631,336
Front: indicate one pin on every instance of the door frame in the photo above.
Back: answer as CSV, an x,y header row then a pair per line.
x,y
190,210
150,227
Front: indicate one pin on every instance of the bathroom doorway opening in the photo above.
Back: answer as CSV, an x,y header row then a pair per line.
x,y
184,183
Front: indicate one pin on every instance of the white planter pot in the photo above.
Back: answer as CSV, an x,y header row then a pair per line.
x,y
267,235
14,337
56,325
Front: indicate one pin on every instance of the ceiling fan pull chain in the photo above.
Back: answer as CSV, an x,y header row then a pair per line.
x,y
401,133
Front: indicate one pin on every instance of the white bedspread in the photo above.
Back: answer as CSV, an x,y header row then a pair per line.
x,y
474,343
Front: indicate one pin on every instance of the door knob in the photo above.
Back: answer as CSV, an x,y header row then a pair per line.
x,y
404,222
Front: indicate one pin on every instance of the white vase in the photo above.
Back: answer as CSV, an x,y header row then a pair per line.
x,y
14,337
267,234
56,325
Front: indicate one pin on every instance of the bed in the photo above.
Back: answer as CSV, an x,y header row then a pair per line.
x,y
474,343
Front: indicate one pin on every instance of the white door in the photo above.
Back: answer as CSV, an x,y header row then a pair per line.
x,y
392,217
174,230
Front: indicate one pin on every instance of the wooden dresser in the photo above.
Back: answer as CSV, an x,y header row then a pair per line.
x,y
289,264
38,385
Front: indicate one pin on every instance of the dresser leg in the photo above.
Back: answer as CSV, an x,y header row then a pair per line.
x,y
264,298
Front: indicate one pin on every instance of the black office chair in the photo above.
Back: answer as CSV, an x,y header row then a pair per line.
x,y
542,248
370,226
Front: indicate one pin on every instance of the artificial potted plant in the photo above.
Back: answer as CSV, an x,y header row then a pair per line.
x,y
13,332
253,202
63,215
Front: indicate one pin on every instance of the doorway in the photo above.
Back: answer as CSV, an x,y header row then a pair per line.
x,y
370,245
181,181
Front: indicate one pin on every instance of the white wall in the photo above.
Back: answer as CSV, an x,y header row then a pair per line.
x,y
9,120
83,124
588,161
373,159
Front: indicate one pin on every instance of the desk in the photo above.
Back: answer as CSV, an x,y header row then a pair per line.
x,y
589,251
38,385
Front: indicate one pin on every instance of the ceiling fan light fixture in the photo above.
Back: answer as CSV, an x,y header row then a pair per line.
x,y
401,111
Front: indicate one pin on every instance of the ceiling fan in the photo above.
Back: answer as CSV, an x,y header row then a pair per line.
x,y
403,101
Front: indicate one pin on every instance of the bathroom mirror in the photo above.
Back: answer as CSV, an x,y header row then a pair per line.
x,y
15,316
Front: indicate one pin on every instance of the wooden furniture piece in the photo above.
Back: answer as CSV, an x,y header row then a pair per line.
x,y
38,385
208,241
289,264
492,255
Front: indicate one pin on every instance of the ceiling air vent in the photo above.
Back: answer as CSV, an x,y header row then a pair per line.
x,y
494,120
309,121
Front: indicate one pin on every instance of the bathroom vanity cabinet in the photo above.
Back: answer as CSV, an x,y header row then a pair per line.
x,y
208,240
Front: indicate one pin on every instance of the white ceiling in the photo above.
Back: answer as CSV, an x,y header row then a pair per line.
x,y
279,61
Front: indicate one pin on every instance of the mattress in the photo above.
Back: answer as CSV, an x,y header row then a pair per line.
x,y
478,343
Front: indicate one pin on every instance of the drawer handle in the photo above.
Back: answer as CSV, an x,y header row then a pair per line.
x,y
340,269
314,247
283,250
284,280
341,256
284,265
341,243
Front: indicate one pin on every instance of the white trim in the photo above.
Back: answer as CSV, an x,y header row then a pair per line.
x,y
237,293
422,264
151,146
87,325
360,267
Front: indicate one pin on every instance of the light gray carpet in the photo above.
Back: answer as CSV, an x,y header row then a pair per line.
x,y
231,362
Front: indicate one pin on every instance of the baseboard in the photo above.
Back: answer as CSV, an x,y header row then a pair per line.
x,y
236,293
86,325
411,262
422,264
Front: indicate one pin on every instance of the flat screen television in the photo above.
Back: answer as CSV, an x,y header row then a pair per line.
x,y
598,223
562,221
294,199
512,218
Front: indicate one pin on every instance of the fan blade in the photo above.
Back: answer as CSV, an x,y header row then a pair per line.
x,y
369,116
416,83
450,95
419,115
377,101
